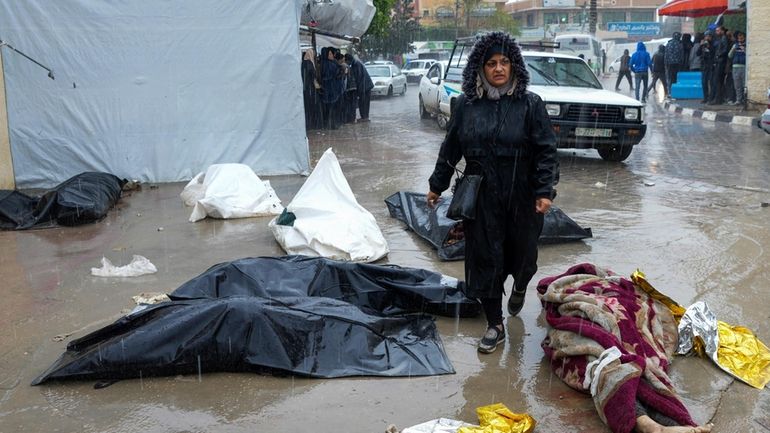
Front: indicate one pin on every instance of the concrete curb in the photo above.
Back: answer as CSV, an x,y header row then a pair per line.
x,y
713,116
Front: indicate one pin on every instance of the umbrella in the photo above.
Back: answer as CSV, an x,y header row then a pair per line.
x,y
696,8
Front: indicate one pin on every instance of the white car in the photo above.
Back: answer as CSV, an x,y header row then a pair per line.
x,y
583,114
764,122
614,66
430,86
388,80
416,69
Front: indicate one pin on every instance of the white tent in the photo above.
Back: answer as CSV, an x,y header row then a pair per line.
x,y
153,90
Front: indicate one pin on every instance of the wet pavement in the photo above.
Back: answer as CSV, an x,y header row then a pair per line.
x,y
685,208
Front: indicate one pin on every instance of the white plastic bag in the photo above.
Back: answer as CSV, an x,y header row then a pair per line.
x,y
230,191
329,221
440,425
139,266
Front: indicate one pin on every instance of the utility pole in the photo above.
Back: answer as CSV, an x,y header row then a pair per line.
x,y
457,17
592,18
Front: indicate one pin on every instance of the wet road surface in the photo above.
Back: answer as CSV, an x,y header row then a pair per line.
x,y
685,208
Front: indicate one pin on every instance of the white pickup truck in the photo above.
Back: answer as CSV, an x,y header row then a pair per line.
x,y
583,114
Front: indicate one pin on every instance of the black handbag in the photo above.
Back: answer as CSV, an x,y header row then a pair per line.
x,y
466,188
465,195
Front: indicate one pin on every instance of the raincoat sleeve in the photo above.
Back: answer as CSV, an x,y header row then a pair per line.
x,y
450,152
543,142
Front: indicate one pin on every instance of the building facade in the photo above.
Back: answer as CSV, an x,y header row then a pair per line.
x,y
540,13
438,12
758,55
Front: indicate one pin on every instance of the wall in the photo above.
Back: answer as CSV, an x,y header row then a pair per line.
x,y
758,31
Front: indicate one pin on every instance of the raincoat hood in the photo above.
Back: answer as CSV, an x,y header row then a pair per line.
x,y
474,65
640,47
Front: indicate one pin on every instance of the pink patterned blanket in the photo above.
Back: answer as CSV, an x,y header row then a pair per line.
x,y
591,311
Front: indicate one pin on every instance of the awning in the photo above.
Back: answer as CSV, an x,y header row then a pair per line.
x,y
696,8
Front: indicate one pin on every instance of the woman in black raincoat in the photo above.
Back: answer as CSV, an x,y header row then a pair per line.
x,y
310,95
504,134
333,84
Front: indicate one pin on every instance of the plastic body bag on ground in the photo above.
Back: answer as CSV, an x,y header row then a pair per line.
x,y
307,316
81,199
230,191
139,265
329,221
497,418
446,235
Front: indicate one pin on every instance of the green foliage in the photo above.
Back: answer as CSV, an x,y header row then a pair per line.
x,y
732,22
397,36
381,21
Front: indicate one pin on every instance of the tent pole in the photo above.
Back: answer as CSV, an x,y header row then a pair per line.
x,y
7,177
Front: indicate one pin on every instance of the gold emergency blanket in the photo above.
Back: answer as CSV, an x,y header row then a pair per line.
x,y
497,418
734,349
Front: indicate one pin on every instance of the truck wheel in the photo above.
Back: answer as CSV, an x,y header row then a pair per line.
x,y
423,112
615,153
442,121
390,91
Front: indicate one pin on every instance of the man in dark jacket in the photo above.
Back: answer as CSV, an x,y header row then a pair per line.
x,y
625,71
674,59
659,70
364,86
706,53
720,49
505,135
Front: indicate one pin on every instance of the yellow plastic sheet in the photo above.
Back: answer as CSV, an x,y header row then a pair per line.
x,y
740,352
497,418
743,355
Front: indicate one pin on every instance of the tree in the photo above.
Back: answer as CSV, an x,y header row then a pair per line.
x,y
396,37
381,21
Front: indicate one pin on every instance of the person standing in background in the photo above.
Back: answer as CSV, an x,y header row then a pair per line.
x,y
674,59
738,55
720,50
695,64
624,71
310,95
659,70
706,54
686,49
640,64
364,86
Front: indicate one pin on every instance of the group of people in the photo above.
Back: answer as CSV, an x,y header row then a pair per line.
x,y
720,56
334,86
504,134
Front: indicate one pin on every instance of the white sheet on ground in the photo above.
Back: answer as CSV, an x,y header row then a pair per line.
x,y
329,221
440,425
230,191
139,265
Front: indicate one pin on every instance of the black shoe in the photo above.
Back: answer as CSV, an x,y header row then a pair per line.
x,y
515,302
491,339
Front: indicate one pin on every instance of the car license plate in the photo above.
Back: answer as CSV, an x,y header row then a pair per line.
x,y
593,132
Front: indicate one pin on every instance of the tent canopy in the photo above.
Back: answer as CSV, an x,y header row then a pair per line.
x,y
696,8
155,91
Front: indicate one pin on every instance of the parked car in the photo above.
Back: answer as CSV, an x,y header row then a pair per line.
x,y
379,62
416,69
764,121
388,79
583,114
614,66
430,86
